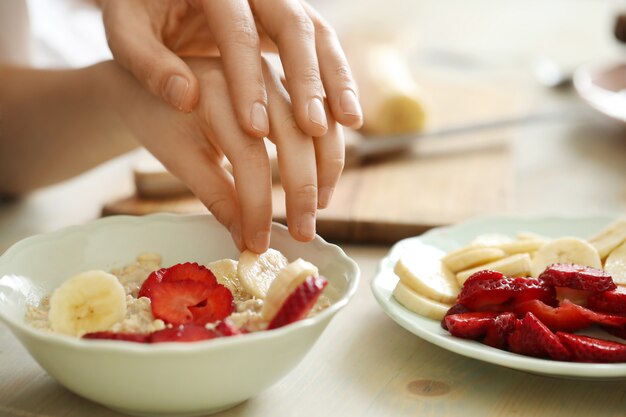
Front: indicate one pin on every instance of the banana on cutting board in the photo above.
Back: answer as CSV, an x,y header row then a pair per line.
x,y
91,301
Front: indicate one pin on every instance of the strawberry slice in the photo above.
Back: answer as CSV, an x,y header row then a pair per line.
x,y
127,337
299,302
190,271
491,291
567,317
609,301
455,309
499,330
228,328
171,301
154,278
182,333
591,349
472,325
531,337
578,277
217,306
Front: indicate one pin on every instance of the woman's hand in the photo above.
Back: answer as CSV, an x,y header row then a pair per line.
x,y
149,36
192,146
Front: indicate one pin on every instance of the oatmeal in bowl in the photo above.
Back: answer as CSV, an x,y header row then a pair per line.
x,y
238,352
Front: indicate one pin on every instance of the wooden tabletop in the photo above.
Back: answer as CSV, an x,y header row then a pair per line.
x,y
364,364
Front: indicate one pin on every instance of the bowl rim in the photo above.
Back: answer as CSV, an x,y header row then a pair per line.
x,y
143,348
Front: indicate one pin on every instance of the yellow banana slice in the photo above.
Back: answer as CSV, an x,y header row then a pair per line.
x,y
92,301
515,266
257,271
570,250
287,280
615,264
609,238
472,257
419,304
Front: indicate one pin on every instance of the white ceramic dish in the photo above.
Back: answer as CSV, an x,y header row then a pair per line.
x,y
449,238
603,87
177,379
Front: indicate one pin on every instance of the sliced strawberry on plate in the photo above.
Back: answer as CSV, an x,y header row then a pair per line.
x,y
578,277
499,330
591,349
605,319
472,325
190,271
127,337
154,278
613,301
183,333
498,293
567,317
171,301
455,309
228,328
217,306
299,303
532,338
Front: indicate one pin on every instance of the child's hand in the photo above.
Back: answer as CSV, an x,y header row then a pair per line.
x,y
146,36
192,146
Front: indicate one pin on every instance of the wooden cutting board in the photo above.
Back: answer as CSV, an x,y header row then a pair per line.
x,y
438,182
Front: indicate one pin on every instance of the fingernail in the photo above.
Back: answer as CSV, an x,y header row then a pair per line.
x,y
317,114
235,232
306,226
260,242
258,117
176,90
325,195
350,104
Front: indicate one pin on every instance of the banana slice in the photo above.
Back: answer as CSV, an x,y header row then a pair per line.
x,y
524,235
225,270
471,258
256,272
615,264
522,246
92,301
609,238
426,275
419,304
571,250
515,266
288,279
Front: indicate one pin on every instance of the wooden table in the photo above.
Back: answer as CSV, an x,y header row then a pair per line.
x,y
364,364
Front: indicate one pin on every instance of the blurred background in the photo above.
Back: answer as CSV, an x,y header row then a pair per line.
x,y
470,109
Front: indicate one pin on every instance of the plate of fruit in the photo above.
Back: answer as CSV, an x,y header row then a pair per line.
x,y
545,295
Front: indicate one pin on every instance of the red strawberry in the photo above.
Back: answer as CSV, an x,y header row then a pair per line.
x,y
128,337
499,330
492,292
566,317
299,302
531,337
577,277
218,306
228,328
609,301
455,309
171,301
471,325
182,333
190,271
590,349
153,279
604,319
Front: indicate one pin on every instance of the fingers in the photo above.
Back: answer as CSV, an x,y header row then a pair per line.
x,y
233,28
289,26
135,45
330,158
339,84
248,156
296,161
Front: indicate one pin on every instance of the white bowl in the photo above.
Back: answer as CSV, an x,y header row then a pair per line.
x,y
181,379
603,87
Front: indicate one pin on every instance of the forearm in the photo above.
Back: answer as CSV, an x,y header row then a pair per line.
x,y
56,124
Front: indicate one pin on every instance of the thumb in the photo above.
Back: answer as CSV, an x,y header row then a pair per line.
x,y
158,69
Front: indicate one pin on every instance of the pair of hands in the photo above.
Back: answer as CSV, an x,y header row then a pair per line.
x,y
241,100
